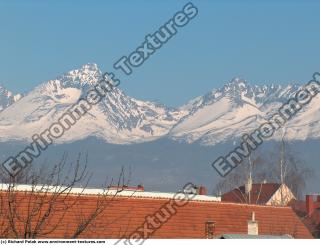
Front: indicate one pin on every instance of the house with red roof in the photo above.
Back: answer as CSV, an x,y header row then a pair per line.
x,y
134,214
309,212
261,193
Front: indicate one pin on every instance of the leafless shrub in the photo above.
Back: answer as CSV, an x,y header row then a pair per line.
x,y
39,210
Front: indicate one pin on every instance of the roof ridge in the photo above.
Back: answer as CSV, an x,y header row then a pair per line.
x,y
108,191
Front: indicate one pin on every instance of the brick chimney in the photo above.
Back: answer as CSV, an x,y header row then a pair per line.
x,y
202,191
140,188
210,229
253,228
309,204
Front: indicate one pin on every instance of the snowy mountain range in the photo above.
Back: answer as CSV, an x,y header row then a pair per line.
x,y
221,115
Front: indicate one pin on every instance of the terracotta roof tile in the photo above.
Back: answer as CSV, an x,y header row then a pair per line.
x,y
123,216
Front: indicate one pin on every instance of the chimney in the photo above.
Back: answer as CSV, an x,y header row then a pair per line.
x,y
210,229
203,191
309,204
253,228
248,186
140,188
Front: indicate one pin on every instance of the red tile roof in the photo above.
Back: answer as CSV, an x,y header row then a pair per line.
x,y
260,194
124,215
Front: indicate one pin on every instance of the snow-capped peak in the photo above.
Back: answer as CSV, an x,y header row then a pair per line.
x,y
118,118
88,74
236,83
230,111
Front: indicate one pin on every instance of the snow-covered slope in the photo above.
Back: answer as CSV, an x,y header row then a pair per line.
x,y
221,115
228,113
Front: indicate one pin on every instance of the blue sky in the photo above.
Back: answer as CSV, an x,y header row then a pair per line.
x,y
260,41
